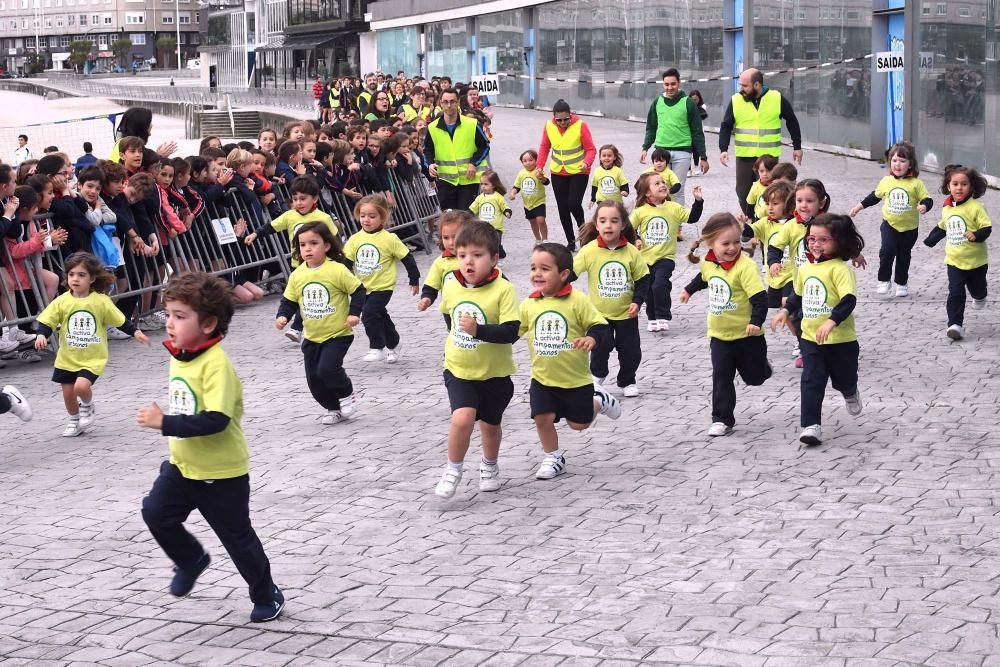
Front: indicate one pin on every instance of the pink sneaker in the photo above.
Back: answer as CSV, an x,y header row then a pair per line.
x,y
798,361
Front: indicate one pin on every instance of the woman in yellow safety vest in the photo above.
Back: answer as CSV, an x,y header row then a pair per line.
x,y
567,141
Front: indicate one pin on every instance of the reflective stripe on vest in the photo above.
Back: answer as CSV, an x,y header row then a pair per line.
x,y
757,130
566,148
453,153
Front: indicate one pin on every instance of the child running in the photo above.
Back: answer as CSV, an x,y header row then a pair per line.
x,y
617,283
482,314
490,206
330,299
82,315
562,326
905,200
737,307
532,189
779,203
660,159
825,292
756,206
372,253
657,222
443,268
209,466
608,180
966,226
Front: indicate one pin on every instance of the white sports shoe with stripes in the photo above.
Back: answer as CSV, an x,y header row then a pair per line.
x,y
552,466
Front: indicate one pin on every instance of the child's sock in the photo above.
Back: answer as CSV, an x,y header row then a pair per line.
x,y
457,466
489,462
557,453
86,404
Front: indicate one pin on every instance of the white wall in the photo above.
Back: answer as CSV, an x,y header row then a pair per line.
x,y
368,57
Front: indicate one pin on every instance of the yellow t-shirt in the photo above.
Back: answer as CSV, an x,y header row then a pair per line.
x,y
83,330
669,177
900,198
767,232
657,227
208,383
608,182
821,286
729,293
441,272
756,199
792,236
531,189
290,221
374,255
611,276
552,324
490,208
323,295
469,358
969,216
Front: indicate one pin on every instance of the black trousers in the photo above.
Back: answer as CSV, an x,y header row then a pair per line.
x,y
746,356
4,403
379,326
745,177
569,192
225,504
658,298
896,246
836,363
623,335
325,373
456,196
960,280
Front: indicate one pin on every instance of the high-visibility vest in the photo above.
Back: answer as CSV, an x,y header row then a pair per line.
x,y
453,153
334,98
566,148
757,129
410,112
367,97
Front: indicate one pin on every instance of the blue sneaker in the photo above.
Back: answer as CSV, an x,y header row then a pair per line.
x,y
184,578
270,610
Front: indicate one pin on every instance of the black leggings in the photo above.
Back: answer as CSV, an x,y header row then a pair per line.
x,y
569,192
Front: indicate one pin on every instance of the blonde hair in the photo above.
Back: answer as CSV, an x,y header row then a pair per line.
x,y
380,203
716,225
238,157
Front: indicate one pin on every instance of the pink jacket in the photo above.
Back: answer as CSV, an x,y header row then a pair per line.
x,y
22,252
168,216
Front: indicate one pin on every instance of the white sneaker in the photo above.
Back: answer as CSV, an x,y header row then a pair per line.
x,y
902,290
449,483
955,332
8,344
160,316
796,352
854,404
347,406
979,304
718,428
20,337
331,417
631,391
489,477
374,354
883,288
653,325
552,466
150,323
18,404
72,429
114,333
664,325
392,356
610,407
293,335
812,435
87,416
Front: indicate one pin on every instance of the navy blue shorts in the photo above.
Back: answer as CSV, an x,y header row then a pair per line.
x,y
575,405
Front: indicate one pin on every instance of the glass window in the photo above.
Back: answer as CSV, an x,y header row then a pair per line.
x,y
138,38
397,50
501,49
446,49
301,12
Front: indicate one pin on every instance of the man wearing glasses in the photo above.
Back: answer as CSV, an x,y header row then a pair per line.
x,y
455,152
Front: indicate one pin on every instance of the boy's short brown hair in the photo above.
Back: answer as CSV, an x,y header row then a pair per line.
x,y
785,171
113,172
130,144
480,234
142,184
207,295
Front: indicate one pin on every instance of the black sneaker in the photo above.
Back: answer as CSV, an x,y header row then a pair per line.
x,y
184,578
268,611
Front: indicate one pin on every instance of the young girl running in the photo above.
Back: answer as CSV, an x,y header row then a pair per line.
x,y
778,198
532,189
562,326
825,292
330,299
905,200
372,253
756,205
657,221
82,315
608,180
737,308
966,226
443,268
617,284
660,159
490,206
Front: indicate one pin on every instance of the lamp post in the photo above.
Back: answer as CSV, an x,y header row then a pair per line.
x,y
177,26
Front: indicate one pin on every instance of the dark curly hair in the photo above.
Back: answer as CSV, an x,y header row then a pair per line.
x,y
208,296
976,179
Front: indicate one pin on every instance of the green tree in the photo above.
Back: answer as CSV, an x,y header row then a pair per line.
x,y
121,48
167,45
79,53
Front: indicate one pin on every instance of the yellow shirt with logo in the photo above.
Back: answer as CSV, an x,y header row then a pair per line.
x,y
969,216
756,199
792,236
611,276
657,227
669,177
729,293
441,272
900,198
821,286
469,358
83,330
552,324
208,383
767,232
290,221
531,189
608,182
374,255
323,295
490,208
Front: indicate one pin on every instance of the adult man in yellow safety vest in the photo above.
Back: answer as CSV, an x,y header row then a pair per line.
x,y
455,151
753,120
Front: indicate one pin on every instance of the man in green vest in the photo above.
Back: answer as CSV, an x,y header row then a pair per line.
x,y
753,120
674,123
367,94
455,151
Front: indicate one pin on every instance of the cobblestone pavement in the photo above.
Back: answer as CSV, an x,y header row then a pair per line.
x,y
659,545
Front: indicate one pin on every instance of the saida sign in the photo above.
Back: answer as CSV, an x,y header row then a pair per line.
x,y
889,61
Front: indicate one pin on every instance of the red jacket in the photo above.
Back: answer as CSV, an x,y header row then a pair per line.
x,y
21,252
589,150
318,89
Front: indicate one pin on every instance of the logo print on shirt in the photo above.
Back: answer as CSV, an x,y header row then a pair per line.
x,y
657,231
720,296
181,399
528,186
551,334
369,260
814,295
800,253
608,186
784,251
898,201
613,280
459,338
487,212
81,330
955,226
315,301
